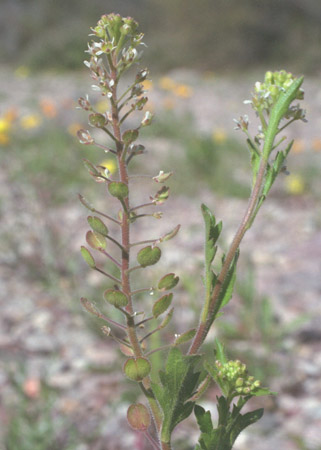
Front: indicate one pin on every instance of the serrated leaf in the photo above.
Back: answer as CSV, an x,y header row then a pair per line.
x,y
167,282
228,285
242,422
185,337
162,304
88,257
97,225
178,384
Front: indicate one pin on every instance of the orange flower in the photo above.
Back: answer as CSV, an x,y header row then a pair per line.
x,y
48,108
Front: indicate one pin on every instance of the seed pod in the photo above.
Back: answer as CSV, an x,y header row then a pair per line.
x,y
137,368
148,256
97,225
168,281
118,189
116,298
138,417
88,257
162,304
96,240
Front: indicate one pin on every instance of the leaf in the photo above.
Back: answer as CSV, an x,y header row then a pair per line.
x,y
244,421
88,257
212,232
162,304
178,383
228,285
185,337
149,256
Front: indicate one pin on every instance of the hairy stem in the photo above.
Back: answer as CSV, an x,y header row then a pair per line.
x,y
209,315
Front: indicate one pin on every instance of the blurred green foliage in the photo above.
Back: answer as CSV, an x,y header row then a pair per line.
x,y
221,35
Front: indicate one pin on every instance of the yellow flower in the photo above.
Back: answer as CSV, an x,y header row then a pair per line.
x,y
298,146
167,84
22,72
5,125
182,90
219,136
73,128
30,121
4,139
102,106
294,184
110,164
147,85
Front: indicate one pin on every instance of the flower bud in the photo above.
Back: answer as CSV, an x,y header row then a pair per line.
x,y
85,137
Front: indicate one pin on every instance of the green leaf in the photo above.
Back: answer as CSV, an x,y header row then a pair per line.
x,y
148,256
228,284
118,189
212,232
116,298
162,304
242,422
97,225
167,282
178,383
88,257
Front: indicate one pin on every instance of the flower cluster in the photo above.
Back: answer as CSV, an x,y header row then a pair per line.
x,y
235,374
266,94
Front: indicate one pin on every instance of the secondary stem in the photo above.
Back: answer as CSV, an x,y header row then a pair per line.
x,y
206,323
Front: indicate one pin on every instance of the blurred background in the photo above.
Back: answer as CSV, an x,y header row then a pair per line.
x,y
59,374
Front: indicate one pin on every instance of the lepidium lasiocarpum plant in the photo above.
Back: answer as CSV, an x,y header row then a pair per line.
x,y
172,395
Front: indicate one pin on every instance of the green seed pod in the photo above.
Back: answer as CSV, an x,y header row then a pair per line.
x,y
138,417
118,189
162,304
168,281
95,240
116,298
148,256
97,225
185,337
88,257
97,120
129,136
137,368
